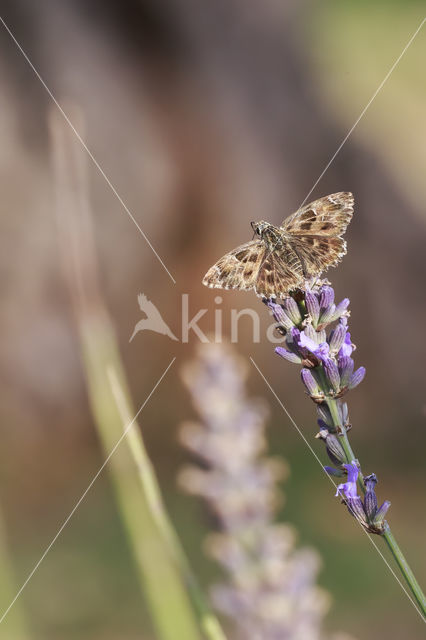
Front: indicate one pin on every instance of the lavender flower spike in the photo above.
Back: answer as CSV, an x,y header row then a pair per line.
x,y
270,590
319,339
328,373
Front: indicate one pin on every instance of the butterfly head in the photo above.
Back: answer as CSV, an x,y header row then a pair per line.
x,y
267,232
259,227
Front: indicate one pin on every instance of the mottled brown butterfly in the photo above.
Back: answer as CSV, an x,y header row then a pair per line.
x,y
282,258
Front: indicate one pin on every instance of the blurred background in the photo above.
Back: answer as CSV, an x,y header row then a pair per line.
x,y
206,115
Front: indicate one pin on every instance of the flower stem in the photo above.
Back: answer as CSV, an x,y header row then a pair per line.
x,y
387,534
405,568
175,601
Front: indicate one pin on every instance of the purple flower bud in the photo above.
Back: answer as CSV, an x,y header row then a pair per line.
x,y
347,346
357,377
380,516
325,416
334,472
375,516
294,336
292,310
333,447
348,489
279,314
288,355
310,382
312,306
332,373
321,336
356,508
337,337
328,314
370,499
319,350
346,367
322,351
292,341
322,425
310,333
326,297
307,343
342,409
340,309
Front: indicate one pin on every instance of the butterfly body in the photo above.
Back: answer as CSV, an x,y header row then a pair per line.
x,y
282,258
273,237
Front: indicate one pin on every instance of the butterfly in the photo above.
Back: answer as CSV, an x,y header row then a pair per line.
x,y
280,259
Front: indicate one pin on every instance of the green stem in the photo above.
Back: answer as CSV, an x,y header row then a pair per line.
x,y
176,603
387,534
207,620
164,588
13,621
171,587
405,568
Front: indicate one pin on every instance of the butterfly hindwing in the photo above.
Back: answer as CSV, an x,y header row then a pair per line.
x,y
238,269
317,253
280,272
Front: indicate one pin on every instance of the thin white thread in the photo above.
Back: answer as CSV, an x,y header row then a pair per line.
x,y
335,485
86,148
92,482
389,73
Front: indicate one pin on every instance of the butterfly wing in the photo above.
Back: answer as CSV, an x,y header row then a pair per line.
x,y
238,269
316,231
280,272
318,253
328,216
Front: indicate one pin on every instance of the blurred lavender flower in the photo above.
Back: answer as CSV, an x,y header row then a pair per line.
x,y
317,337
271,592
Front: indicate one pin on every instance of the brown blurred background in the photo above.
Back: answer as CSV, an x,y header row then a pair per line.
x,y
206,115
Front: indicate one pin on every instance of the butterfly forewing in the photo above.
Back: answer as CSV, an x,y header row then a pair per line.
x,y
238,269
328,216
316,231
